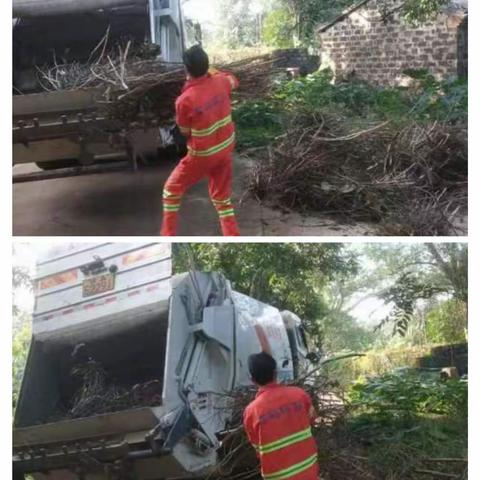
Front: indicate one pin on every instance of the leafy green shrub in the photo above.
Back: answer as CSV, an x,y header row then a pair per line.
x,y
317,91
258,123
406,419
433,100
407,393
416,12
445,100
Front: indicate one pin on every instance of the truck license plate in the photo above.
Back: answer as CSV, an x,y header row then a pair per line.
x,y
96,285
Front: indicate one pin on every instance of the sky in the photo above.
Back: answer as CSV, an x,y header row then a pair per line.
x,y
369,312
207,11
201,11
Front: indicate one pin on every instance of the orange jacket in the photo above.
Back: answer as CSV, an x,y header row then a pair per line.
x,y
277,424
204,114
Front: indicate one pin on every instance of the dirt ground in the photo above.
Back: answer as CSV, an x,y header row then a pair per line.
x,y
129,204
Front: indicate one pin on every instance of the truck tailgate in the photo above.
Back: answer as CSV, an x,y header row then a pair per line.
x,y
86,428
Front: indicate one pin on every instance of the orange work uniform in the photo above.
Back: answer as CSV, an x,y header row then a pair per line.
x,y
204,116
277,424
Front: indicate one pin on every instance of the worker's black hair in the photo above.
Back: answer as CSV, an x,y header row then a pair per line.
x,y
196,61
262,367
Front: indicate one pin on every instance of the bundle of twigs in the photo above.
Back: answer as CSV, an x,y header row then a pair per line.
x,y
106,65
412,179
135,87
99,395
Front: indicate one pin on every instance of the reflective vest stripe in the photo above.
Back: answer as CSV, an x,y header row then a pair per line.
x,y
213,150
213,128
293,470
285,441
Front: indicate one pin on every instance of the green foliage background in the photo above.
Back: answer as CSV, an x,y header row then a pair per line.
x,y
278,27
285,23
447,323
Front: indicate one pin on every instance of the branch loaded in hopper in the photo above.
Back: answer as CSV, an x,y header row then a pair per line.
x,y
135,88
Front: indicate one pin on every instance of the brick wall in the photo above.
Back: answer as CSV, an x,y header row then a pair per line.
x,y
379,50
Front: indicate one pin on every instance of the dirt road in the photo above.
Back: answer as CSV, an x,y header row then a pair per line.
x,y
129,204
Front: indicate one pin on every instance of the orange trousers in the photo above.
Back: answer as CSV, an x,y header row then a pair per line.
x,y
190,170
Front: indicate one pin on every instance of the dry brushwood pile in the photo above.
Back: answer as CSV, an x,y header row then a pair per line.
x,y
412,180
98,395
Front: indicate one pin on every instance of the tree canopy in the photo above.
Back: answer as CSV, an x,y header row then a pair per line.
x,y
406,274
284,23
324,283
287,275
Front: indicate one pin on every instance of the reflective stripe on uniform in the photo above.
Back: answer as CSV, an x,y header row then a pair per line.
x,y
171,202
170,196
213,128
228,201
185,130
227,213
212,151
171,208
293,470
285,441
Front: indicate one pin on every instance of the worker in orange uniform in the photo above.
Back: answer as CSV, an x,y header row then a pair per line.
x,y
204,116
278,425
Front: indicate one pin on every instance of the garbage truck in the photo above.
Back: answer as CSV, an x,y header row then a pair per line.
x,y
61,128
189,335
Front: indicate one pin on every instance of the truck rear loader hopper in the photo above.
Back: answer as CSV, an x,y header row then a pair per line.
x,y
192,334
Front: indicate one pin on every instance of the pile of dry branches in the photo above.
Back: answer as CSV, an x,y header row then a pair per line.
x,y
106,65
135,87
97,395
410,179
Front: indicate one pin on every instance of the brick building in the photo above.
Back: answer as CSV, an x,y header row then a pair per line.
x,y
372,42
